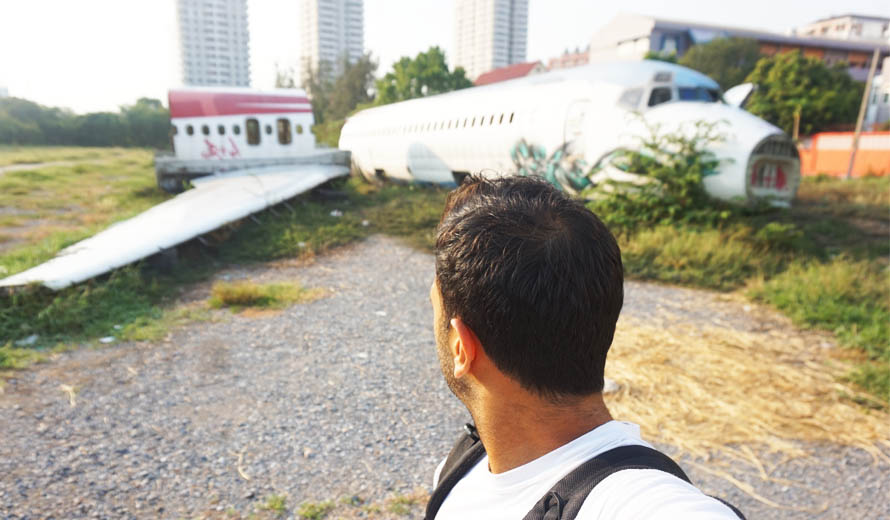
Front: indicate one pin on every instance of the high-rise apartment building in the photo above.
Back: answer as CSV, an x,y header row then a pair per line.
x,y
213,39
489,34
331,30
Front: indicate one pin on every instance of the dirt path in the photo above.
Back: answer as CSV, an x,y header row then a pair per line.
x,y
338,397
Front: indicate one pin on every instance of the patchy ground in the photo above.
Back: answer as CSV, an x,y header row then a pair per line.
x,y
341,399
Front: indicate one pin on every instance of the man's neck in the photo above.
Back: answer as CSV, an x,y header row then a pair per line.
x,y
517,431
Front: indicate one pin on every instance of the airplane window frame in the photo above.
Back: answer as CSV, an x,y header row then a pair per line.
x,y
254,133
284,134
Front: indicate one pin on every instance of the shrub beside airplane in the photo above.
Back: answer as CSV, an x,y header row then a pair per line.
x,y
245,150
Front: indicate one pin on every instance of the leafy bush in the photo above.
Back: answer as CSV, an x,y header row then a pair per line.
x,y
676,163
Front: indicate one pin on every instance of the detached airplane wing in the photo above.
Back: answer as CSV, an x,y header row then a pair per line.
x,y
213,202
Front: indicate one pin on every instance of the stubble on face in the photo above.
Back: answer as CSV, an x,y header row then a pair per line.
x,y
443,351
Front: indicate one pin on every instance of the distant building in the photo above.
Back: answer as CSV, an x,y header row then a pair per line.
x,y
331,30
519,70
848,27
4,92
630,36
570,59
489,34
878,110
214,42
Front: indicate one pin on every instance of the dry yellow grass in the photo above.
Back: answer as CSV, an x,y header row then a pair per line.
x,y
721,390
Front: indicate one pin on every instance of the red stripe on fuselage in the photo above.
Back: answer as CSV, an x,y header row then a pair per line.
x,y
185,103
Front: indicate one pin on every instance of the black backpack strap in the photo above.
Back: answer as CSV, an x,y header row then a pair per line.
x,y
466,453
566,497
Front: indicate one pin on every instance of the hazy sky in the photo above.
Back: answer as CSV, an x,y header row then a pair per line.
x,y
97,54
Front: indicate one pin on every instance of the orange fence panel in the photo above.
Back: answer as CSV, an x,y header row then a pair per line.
x,y
828,153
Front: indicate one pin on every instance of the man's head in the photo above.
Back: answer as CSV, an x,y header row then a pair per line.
x,y
535,277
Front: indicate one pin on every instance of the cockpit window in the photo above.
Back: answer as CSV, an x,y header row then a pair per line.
x,y
659,95
698,94
631,98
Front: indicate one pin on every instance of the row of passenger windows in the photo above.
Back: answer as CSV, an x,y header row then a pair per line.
x,y
252,127
467,122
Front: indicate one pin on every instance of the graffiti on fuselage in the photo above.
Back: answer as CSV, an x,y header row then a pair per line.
x,y
561,168
212,151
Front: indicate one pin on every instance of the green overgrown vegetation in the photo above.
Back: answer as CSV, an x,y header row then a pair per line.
x,y
277,504
238,295
56,205
335,98
790,83
145,123
315,510
824,262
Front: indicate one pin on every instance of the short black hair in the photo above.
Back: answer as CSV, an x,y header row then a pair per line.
x,y
537,276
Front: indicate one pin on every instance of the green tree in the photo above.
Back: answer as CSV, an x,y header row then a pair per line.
x,y
101,129
425,75
334,98
352,88
789,82
148,123
670,57
728,61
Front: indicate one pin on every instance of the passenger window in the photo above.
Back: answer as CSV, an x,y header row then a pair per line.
x,y
659,95
236,129
491,120
190,130
473,122
221,130
511,117
299,129
501,120
284,136
465,122
174,130
205,130
253,131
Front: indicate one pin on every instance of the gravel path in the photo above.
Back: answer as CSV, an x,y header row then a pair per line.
x,y
338,397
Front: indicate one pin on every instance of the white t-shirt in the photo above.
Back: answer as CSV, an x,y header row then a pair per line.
x,y
631,494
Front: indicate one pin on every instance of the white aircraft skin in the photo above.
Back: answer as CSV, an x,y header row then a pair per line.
x,y
591,110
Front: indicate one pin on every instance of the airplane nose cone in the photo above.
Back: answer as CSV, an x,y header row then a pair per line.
x,y
758,160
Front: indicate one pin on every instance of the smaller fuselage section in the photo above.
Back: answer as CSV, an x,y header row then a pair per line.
x,y
214,124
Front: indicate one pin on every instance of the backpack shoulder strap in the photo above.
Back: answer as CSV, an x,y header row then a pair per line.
x,y
466,453
566,497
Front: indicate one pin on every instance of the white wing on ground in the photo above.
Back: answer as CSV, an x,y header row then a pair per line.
x,y
213,202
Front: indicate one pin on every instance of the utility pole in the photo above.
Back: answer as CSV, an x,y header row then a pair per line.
x,y
865,95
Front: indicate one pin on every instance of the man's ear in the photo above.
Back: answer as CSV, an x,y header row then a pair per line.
x,y
465,347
